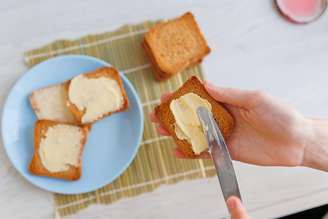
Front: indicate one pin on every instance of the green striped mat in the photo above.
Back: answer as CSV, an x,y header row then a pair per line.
x,y
154,164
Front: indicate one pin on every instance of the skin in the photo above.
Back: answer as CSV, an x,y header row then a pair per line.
x,y
268,132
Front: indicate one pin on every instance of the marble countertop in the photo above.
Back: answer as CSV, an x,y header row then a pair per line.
x,y
252,47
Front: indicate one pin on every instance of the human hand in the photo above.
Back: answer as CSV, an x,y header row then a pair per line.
x,y
236,208
267,131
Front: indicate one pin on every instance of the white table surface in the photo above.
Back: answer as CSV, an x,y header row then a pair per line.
x,y
253,47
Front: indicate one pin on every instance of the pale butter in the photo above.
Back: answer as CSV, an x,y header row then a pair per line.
x,y
97,96
50,104
187,124
60,147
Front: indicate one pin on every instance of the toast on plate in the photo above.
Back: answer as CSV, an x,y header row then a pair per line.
x,y
49,103
94,95
58,149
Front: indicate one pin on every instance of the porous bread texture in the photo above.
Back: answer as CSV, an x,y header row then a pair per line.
x,y
174,45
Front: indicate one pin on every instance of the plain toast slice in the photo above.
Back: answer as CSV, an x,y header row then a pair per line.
x,y
175,45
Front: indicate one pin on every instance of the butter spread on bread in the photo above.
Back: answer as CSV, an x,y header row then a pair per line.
x,y
95,96
60,147
187,124
224,119
50,103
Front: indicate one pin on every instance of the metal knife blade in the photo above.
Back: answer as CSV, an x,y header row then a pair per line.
x,y
220,154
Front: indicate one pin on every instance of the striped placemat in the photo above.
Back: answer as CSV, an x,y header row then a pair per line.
x,y
154,164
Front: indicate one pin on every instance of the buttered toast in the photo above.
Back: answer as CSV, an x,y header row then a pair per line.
x,y
49,103
181,104
58,149
94,95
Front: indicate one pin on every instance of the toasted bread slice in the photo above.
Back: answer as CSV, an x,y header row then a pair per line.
x,y
104,72
37,167
50,103
220,114
175,45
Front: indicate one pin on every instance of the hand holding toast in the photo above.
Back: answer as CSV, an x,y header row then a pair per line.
x,y
267,131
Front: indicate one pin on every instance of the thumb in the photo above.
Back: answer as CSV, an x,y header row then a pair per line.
x,y
232,96
236,209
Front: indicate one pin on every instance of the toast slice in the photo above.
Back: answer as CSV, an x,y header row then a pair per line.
x,y
90,100
51,154
175,45
50,103
193,85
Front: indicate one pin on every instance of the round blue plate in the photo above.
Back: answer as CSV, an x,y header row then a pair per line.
x,y
112,143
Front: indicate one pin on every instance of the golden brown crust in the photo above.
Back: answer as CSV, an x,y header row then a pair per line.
x,y
158,73
169,58
36,167
100,72
221,115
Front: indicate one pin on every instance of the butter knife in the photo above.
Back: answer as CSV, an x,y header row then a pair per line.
x,y
219,153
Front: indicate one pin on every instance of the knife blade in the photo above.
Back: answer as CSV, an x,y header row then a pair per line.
x,y
220,154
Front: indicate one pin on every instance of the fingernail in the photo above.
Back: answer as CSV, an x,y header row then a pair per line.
x,y
232,203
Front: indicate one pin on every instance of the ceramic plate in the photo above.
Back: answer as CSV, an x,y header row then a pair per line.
x,y
112,143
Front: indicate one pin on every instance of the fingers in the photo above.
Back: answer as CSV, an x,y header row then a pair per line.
x,y
159,128
165,96
179,154
162,131
204,155
236,208
153,117
232,96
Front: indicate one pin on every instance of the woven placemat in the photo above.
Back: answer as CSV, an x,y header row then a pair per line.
x,y
154,164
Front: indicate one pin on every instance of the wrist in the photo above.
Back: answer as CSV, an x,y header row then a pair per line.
x,y
316,147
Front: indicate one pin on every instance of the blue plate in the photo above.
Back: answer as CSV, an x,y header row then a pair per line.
x,y
112,143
